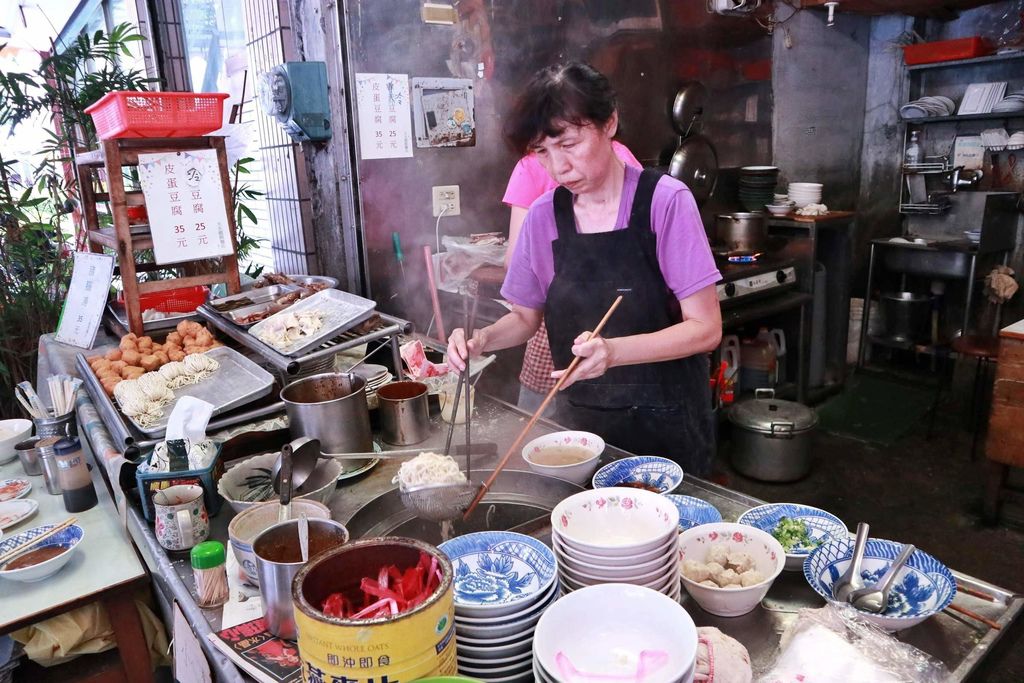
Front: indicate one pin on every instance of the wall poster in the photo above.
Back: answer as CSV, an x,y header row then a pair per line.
x,y
382,105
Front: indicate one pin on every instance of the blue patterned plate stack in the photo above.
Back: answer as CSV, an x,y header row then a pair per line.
x,y
694,511
503,583
923,587
822,527
659,475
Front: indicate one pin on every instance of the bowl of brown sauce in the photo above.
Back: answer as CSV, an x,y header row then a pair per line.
x,y
569,455
648,472
42,560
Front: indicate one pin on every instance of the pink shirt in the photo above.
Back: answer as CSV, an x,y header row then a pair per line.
x,y
682,245
530,179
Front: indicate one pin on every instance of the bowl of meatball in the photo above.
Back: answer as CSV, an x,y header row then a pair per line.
x,y
728,568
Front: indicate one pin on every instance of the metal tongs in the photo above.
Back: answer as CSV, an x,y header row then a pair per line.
x,y
445,502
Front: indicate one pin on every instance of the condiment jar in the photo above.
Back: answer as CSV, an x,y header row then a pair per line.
x,y
75,480
210,574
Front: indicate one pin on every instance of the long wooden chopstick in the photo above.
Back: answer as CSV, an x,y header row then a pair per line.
x,y
974,615
978,594
18,549
536,415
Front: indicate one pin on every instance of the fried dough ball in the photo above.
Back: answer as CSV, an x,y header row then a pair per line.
x,y
173,338
113,354
134,372
130,335
118,365
182,327
108,386
92,360
176,355
100,365
149,362
162,358
131,357
127,345
188,340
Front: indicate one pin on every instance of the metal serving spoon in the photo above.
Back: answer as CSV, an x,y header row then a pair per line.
x,y
851,580
876,598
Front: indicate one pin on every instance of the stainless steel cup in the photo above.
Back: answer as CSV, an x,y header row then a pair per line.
x,y
330,407
51,471
279,559
28,454
62,425
404,418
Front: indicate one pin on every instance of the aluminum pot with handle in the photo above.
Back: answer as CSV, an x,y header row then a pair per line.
x,y
772,438
742,231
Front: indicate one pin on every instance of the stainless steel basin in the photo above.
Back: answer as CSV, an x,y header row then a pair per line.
x,y
516,499
926,262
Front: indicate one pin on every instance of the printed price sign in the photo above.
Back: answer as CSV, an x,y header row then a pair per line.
x,y
185,201
385,128
87,296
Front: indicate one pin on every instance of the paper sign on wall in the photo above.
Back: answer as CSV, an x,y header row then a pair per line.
x,y
185,202
86,299
385,120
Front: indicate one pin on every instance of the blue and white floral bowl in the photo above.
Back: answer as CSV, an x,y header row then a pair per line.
x,y
69,537
649,470
822,526
499,573
923,587
694,511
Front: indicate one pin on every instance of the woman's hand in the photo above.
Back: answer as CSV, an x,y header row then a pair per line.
x,y
459,348
596,354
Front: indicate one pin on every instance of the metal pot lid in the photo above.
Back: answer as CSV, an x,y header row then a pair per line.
x,y
688,106
696,164
771,415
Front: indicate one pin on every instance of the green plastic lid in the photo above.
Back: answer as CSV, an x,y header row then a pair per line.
x,y
207,555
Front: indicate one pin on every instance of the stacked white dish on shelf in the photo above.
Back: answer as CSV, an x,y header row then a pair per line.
x,y
937,105
614,535
615,632
803,194
504,582
1014,102
376,376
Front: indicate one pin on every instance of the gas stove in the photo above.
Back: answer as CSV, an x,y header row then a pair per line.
x,y
745,281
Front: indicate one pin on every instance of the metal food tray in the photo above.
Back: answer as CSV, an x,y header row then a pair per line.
x,y
341,312
264,295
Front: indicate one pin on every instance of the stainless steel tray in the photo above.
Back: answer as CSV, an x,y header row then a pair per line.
x,y
255,296
341,311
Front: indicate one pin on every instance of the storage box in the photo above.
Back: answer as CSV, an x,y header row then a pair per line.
x,y
946,50
151,482
181,300
134,114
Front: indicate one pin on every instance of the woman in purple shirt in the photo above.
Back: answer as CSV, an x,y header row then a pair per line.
x,y
610,229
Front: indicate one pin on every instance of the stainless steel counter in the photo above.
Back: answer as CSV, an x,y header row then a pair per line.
x,y
960,643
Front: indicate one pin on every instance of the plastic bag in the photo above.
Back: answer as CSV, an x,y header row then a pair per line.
x,y
835,645
461,257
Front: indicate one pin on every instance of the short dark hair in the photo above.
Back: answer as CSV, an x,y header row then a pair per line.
x,y
574,93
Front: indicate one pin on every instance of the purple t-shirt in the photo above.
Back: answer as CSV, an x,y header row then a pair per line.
x,y
682,246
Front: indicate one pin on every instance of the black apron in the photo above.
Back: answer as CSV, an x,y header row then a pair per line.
x,y
659,408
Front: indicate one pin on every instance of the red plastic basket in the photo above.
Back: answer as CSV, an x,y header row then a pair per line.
x,y
129,114
183,300
946,50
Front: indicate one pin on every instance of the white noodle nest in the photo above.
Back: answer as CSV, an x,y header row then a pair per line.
x,y
428,468
143,399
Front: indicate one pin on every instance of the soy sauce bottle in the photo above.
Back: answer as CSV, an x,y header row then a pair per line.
x,y
75,481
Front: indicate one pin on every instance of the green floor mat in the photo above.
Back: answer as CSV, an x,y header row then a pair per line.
x,y
875,409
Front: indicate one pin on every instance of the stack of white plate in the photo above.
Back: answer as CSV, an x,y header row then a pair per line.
x,y
928,106
1013,102
376,376
614,535
615,632
973,236
803,194
504,582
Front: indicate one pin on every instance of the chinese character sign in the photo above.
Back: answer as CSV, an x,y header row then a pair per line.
x,y
185,201
385,120
87,296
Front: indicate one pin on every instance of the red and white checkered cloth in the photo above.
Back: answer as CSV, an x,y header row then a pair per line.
x,y
537,363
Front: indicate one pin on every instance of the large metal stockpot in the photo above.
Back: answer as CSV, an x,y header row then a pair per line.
x,y
330,407
771,438
742,231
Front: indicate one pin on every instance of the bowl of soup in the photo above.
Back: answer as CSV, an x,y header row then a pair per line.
x,y
45,558
568,455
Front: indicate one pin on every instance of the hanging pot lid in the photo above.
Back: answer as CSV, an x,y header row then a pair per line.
x,y
773,416
688,106
696,164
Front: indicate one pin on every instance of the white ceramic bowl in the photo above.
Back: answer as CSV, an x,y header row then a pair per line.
x,y
71,537
767,553
637,578
320,486
780,209
805,186
603,629
567,552
16,430
578,473
615,521
246,525
617,571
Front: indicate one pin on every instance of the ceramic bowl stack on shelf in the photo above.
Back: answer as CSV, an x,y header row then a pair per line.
x,y
925,107
803,194
617,535
376,376
504,582
615,632
757,186
1011,104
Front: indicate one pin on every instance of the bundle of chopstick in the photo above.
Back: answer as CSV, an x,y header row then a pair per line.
x,y
62,395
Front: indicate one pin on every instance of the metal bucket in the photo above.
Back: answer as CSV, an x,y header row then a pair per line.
x,y
330,407
63,425
278,559
412,645
404,416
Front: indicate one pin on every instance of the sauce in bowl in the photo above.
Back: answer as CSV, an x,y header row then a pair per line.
x,y
34,557
638,485
554,456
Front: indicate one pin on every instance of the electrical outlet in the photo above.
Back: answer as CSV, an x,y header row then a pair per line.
x,y
446,198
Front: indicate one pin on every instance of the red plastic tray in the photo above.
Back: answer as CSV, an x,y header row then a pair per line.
x,y
946,50
130,114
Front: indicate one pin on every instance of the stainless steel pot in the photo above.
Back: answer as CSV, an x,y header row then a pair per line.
x,y
330,407
742,231
907,316
771,438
